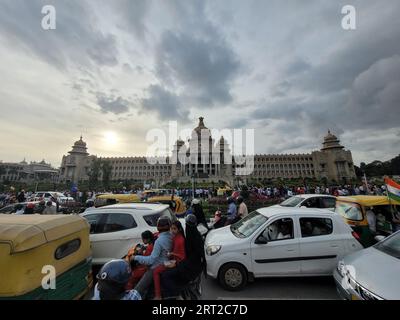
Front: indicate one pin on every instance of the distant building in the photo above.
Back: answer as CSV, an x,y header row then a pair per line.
x,y
28,172
331,162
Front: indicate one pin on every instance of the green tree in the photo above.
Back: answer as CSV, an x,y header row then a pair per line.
x,y
106,171
94,173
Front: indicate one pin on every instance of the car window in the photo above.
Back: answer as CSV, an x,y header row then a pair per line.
x,y
311,203
151,219
390,245
96,222
281,229
118,222
327,202
248,225
291,202
47,195
348,210
67,249
311,227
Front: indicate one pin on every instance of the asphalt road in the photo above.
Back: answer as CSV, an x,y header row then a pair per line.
x,y
274,288
313,288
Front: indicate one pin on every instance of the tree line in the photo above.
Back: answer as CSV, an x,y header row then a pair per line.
x,y
379,168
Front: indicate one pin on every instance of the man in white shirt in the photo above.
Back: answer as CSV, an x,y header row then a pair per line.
x,y
242,207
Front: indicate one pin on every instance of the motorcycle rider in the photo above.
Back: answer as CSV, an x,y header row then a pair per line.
x,y
112,279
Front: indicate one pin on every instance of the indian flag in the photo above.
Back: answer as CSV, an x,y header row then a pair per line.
x,y
393,189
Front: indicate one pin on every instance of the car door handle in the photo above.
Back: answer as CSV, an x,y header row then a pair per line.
x,y
334,246
290,250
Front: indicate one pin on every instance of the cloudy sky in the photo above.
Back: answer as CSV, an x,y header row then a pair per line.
x,y
112,70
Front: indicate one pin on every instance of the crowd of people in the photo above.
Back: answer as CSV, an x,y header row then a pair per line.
x,y
162,267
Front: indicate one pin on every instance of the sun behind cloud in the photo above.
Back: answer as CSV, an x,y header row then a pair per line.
x,y
110,138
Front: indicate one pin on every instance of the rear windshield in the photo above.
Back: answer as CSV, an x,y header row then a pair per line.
x,y
151,219
291,202
348,210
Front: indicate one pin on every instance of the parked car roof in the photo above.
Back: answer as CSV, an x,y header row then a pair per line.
x,y
274,211
312,195
135,206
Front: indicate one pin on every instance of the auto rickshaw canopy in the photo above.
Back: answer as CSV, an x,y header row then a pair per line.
x,y
369,200
121,198
25,232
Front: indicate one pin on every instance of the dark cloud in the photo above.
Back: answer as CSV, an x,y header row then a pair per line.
x,y
112,104
204,67
104,50
133,13
76,41
166,104
298,66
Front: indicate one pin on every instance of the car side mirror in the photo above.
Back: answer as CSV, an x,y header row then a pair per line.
x,y
261,240
379,238
303,207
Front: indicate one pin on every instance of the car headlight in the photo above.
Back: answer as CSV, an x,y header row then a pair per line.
x,y
341,268
213,249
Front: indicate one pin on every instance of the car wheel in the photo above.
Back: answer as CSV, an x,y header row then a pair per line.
x,y
233,277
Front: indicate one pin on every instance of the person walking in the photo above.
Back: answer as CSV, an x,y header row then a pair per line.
x,y
243,212
198,212
232,211
49,209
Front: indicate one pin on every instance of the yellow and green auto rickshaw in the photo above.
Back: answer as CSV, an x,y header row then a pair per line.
x,y
35,250
110,198
175,203
353,209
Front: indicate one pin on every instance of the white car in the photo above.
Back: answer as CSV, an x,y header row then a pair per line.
x,y
115,229
46,195
278,242
319,201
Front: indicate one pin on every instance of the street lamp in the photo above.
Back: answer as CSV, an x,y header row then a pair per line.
x,y
193,184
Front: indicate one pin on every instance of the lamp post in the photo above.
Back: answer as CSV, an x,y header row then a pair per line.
x,y
193,184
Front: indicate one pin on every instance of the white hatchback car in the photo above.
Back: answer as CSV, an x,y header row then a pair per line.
x,y
318,201
278,242
115,229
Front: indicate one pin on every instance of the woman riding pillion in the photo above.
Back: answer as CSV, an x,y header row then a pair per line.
x,y
173,281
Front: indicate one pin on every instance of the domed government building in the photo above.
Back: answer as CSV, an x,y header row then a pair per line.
x,y
332,163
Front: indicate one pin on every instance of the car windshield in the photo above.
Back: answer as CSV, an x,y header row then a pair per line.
x,y
291,202
391,245
248,225
348,210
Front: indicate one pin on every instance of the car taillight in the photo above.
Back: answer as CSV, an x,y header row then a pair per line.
x,y
356,235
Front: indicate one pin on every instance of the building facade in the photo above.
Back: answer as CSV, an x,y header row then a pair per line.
x,y
208,160
28,172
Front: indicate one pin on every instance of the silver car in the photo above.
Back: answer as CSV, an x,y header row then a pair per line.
x,y
372,273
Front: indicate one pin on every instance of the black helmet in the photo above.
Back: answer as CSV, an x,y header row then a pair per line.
x,y
163,223
230,200
112,279
116,270
191,220
239,199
